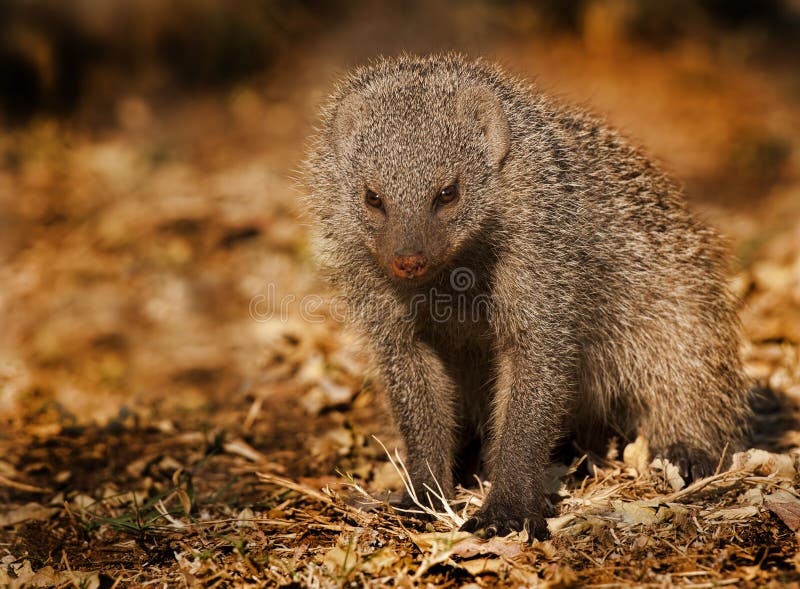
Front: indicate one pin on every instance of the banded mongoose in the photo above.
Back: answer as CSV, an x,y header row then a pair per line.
x,y
522,273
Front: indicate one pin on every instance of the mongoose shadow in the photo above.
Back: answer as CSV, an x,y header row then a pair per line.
x,y
523,275
774,415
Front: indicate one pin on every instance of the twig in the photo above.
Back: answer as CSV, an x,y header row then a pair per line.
x,y
22,486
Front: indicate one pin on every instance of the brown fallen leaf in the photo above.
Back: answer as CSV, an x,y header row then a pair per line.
x,y
637,512
769,275
786,506
382,559
481,566
764,463
28,512
637,454
245,450
735,513
499,546
670,472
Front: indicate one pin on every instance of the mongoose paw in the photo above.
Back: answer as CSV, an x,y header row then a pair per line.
x,y
693,464
486,526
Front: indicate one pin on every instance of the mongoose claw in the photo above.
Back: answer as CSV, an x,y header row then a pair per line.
x,y
487,527
693,464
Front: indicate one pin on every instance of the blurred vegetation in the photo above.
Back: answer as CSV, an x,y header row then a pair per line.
x,y
54,55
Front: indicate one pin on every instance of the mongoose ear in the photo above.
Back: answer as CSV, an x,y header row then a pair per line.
x,y
481,106
349,114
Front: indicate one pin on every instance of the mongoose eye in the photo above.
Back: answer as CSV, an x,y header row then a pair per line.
x,y
446,195
373,199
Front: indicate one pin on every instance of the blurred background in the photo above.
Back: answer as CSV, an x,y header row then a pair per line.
x,y
147,178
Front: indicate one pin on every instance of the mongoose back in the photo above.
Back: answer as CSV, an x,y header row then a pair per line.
x,y
523,273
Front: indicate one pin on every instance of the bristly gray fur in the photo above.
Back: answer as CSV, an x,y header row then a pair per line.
x,y
607,311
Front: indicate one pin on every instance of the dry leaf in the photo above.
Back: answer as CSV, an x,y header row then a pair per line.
x,y
335,394
82,501
637,512
556,524
28,512
480,566
438,541
339,560
245,450
786,506
637,454
770,275
245,518
764,463
335,441
524,577
474,546
670,472
380,560
313,401
752,496
186,501
735,513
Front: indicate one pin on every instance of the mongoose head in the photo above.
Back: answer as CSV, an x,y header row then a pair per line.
x,y
413,151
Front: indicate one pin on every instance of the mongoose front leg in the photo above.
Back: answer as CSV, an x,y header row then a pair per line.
x,y
533,393
422,400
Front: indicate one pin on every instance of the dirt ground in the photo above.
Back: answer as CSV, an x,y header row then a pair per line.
x,y
167,417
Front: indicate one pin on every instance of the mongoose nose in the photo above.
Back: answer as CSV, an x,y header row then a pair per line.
x,y
409,265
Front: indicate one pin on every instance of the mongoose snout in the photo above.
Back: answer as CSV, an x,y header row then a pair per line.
x,y
409,265
603,306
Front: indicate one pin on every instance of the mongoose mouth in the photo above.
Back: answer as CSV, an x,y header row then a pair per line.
x,y
409,266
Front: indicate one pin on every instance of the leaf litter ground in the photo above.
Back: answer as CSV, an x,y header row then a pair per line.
x,y
158,428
